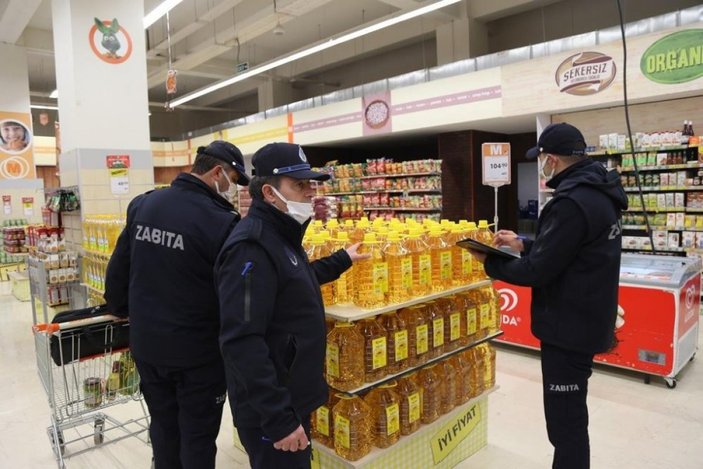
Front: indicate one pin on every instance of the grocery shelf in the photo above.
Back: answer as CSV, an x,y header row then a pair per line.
x,y
663,210
664,188
404,209
354,313
630,169
386,191
667,249
641,150
88,252
660,228
93,289
415,439
403,175
368,386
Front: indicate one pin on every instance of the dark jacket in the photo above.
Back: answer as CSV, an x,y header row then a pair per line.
x,y
573,265
161,272
273,335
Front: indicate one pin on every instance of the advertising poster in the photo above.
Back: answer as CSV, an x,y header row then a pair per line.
x,y
16,155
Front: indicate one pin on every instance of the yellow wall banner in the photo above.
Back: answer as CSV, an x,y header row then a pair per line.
x,y
450,435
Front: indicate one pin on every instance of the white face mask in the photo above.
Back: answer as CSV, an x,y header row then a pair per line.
x,y
228,195
542,163
299,211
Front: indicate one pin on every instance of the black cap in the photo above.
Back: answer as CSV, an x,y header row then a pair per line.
x,y
560,140
225,151
284,159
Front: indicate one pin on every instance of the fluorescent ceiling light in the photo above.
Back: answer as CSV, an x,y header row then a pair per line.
x,y
326,44
42,106
159,11
54,94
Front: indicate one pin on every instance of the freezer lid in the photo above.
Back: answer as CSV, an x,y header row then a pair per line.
x,y
662,271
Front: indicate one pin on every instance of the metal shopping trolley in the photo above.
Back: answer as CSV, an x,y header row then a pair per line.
x,y
85,369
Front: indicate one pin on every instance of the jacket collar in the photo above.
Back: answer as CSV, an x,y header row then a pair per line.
x,y
282,223
189,182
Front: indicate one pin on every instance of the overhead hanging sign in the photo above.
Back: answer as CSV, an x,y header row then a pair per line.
x,y
585,73
676,58
496,164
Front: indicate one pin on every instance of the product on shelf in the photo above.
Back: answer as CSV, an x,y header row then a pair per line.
x,y
100,233
370,275
441,258
430,383
344,285
398,341
352,427
421,263
436,328
375,349
384,403
345,357
417,320
455,322
318,249
410,395
400,269
322,423
448,387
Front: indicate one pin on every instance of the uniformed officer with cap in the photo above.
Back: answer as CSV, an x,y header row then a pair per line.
x,y
273,334
160,275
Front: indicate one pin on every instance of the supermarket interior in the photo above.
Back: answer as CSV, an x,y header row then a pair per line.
x,y
421,113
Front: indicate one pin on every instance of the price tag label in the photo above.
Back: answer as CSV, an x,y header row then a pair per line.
x,y
496,164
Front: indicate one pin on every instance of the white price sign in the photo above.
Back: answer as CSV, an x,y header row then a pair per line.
x,y
496,164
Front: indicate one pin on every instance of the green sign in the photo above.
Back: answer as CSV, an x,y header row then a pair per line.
x,y
676,58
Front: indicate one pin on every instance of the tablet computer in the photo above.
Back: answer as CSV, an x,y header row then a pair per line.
x,y
469,243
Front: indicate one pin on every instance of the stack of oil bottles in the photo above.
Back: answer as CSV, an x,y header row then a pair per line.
x,y
100,233
407,261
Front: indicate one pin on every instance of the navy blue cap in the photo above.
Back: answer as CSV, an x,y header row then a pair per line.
x,y
225,151
560,140
284,159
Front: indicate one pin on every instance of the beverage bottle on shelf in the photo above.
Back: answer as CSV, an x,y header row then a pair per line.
x,y
384,402
344,284
431,393
461,258
448,375
400,269
410,395
462,366
344,359
318,249
691,133
397,333
441,258
421,263
352,427
322,424
375,349
454,322
417,320
370,275
113,381
436,322
488,354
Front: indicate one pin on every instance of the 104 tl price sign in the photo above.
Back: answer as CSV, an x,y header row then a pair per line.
x,y
496,164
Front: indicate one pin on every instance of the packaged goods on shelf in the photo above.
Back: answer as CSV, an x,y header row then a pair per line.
x,y
352,427
100,233
384,403
345,356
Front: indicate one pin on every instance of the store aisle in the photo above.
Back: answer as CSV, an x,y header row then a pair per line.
x,y
633,425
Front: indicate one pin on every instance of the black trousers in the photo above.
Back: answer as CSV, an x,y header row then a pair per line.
x,y
262,454
186,411
565,379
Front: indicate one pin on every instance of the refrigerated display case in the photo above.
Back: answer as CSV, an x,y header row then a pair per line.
x,y
658,315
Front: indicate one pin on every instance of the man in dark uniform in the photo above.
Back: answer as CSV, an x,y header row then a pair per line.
x,y
160,275
573,267
273,333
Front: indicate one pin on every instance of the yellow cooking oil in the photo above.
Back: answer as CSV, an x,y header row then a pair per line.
x,y
448,386
344,360
370,275
318,249
421,263
436,328
441,259
400,269
352,427
417,320
321,422
375,349
462,260
384,402
410,395
398,338
430,382
344,285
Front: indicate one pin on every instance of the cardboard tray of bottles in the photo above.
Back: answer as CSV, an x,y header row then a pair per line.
x,y
444,443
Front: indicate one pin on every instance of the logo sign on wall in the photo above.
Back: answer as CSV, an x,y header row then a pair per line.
x,y
110,41
676,58
16,155
377,114
585,73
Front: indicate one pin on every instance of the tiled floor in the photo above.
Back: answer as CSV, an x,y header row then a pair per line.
x,y
633,425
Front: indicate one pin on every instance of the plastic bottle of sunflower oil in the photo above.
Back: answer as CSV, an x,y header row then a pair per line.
x,y
344,284
400,269
421,263
318,249
441,258
371,275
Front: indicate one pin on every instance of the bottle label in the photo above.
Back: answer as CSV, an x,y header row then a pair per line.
x,y
380,278
425,266
437,332
414,407
378,349
485,311
454,326
422,339
342,432
333,360
401,345
322,420
466,262
392,419
406,273
471,321
445,263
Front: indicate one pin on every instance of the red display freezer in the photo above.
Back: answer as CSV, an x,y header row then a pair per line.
x,y
658,315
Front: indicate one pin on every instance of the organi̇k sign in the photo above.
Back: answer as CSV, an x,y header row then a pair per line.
x,y
676,58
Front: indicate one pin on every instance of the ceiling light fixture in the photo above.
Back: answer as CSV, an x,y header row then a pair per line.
x,y
278,30
165,6
326,44
43,106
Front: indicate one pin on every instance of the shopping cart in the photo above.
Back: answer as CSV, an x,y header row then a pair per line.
x,y
84,372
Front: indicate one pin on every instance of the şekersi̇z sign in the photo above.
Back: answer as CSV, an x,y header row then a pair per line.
x,y
676,58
